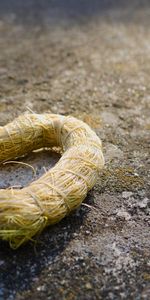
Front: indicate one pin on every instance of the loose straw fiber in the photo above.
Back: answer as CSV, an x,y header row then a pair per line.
x,y
25,212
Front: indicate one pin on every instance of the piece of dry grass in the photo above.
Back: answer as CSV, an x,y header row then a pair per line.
x,y
25,212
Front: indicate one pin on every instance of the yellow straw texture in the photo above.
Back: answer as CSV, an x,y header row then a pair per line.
x,y
25,212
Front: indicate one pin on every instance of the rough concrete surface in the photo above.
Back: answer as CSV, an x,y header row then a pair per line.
x,y
90,59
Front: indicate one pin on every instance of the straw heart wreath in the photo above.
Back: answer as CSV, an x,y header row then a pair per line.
x,y
25,212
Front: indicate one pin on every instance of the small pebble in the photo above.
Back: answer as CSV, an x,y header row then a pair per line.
x,y
87,232
41,288
88,286
143,203
124,215
126,195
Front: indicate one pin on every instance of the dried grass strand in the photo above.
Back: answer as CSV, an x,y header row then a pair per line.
x,y
20,163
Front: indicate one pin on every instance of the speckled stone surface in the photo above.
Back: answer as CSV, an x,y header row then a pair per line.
x,y
90,59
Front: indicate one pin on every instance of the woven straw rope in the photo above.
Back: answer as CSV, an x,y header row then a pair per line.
x,y
25,212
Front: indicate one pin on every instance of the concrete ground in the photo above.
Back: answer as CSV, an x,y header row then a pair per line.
x,y
90,59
